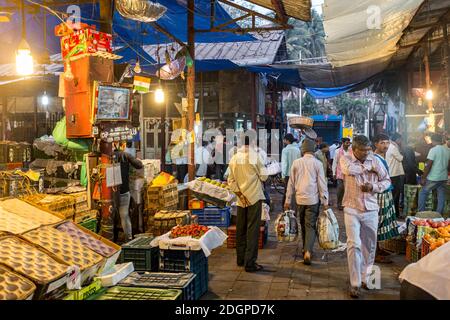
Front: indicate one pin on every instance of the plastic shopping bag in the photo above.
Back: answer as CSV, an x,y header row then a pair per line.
x,y
328,230
265,212
286,226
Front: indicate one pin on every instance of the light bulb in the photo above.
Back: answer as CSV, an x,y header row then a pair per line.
x,y
137,68
45,99
429,95
24,59
159,95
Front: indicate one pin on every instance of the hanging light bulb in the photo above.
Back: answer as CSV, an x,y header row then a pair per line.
x,y
24,59
44,99
137,68
429,94
159,95
68,75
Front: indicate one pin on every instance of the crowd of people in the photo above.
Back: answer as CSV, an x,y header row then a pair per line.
x,y
370,176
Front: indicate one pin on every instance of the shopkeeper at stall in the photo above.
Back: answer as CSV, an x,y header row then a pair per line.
x,y
125,159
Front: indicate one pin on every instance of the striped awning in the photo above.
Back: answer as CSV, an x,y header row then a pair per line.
x,y
298,9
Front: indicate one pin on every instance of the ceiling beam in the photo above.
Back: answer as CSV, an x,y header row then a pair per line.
x,y
248,13
279,9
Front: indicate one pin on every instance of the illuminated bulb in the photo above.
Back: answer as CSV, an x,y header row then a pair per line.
x,y
45,99
24,59
429,95
68,75
137,68
159,95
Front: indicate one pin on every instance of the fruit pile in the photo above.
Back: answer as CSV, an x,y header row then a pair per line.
x,y
214,182
194,230
435,240
431,223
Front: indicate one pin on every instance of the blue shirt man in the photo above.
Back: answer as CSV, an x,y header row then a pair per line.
x,y
290,153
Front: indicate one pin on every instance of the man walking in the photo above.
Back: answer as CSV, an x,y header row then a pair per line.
x,y
321,154
395,162
246,176
290,153
435,175
344,150
364,177
307,182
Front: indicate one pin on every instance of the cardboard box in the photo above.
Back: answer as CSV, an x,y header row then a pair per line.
x,y
85,41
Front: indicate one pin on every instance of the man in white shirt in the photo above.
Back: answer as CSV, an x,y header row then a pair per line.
x,y
307,182
395,162
333,149
246,176
203,158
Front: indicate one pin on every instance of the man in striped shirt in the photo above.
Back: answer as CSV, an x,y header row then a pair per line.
x,y
364,177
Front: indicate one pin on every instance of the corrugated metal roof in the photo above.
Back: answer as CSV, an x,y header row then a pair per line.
x,y
298,9
259,52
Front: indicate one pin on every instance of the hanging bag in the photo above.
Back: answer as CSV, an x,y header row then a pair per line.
x,y
287,227
328,230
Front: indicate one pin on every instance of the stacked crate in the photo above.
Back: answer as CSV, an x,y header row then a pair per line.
x,y
411,201
83,215
163,221
162,197
62,206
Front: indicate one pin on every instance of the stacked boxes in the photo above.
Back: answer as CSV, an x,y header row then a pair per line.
x,y
411,201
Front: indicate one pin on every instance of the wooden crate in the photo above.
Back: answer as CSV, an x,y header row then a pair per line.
x,y
231,241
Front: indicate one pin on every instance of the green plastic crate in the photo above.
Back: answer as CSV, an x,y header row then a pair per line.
x,y
90,224
132,293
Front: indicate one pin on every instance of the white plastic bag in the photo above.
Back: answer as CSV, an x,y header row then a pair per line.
x,y
286,226
265,212
328,230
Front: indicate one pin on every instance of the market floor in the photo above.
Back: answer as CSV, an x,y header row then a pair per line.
x,y
326,278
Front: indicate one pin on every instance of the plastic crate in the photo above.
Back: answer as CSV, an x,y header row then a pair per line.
x,y
84,293
214,216
262,240
413,254
90,224
425,248
396,245
187,261
132,293
141,253
181,281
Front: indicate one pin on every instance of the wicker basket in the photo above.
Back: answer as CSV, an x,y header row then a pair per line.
x,y
301,122
396,245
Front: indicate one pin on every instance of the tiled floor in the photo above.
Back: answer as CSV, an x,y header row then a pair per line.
x,y
290,279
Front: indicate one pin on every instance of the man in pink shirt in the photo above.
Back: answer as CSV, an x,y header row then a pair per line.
x,y
364,177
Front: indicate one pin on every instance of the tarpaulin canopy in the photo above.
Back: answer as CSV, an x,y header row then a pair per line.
x,y
127,33
280,76
327,93
365,31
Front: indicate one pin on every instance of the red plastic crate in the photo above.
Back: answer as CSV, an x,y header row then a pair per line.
x,y
231,241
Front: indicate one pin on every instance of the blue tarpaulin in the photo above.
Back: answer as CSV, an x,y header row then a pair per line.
x,y
327,93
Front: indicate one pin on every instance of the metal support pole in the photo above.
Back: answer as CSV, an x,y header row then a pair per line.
x,y
190,87
253,106
446,60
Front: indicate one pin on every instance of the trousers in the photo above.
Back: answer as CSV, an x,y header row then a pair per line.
x,y
124,211
340,192
361,229
308,221
247,234
441,187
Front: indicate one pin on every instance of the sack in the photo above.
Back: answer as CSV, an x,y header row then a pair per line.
x,y
286,226
328,230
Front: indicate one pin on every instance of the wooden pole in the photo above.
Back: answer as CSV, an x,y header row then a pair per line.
x,y
36,128
190,87
106,16
427,77
446,60
4,115
254,92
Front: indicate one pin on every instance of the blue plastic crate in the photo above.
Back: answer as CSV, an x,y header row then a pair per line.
x,y
187,261
214,216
